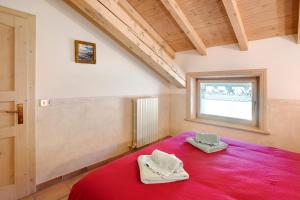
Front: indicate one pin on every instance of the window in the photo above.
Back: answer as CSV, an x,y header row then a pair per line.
x,y
228,98
232,100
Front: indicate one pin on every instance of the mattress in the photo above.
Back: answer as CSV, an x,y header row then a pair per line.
x,y
242,171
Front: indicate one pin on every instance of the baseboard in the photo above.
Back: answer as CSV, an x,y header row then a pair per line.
x,y
78,172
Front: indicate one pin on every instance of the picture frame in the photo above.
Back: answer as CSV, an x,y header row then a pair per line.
x,y
85,52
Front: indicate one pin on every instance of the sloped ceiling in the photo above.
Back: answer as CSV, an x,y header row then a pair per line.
x,y
261,19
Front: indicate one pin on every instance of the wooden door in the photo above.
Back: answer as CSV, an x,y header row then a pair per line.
x,y
15,101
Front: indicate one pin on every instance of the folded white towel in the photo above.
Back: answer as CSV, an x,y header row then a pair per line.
x,y
163,163
148,176
207,138
206,147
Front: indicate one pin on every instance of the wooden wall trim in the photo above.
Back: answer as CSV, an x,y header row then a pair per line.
x,y
108,15
298,35
236,22
31,102
185,25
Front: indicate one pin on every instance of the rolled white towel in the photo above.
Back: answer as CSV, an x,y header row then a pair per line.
x,y
163,163
148,176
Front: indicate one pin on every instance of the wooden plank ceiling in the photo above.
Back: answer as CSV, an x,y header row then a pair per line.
x,y
260,18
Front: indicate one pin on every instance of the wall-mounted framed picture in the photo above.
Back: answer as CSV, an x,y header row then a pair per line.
x,y
85,52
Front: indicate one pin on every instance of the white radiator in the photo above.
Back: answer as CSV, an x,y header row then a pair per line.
x,y
145,121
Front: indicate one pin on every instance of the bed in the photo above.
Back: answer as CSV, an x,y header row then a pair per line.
x,y
242,171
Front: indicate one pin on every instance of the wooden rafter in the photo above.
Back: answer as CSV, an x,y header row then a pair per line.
x,y
140,20
108,15
185,25
236,22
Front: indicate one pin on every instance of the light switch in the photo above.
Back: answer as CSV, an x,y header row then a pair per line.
x,y
44,102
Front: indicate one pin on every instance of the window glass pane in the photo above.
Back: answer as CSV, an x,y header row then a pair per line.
x,y
226,99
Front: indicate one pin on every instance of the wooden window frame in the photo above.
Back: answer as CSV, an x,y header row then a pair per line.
x,y
193,97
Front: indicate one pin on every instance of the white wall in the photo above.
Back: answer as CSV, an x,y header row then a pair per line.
x,y
89,118
280,56
116,73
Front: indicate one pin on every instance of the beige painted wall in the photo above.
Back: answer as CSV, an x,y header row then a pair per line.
x,y
77,132
280,56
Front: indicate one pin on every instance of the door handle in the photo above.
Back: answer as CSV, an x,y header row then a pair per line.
x,y
8,111
19,111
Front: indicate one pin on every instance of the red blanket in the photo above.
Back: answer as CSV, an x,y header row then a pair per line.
x,y
243,171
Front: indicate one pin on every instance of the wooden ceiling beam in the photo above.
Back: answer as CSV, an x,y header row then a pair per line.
x,y
108,15
185,25
236,22
142,22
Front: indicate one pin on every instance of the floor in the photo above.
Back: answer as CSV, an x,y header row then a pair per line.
x,y
59,191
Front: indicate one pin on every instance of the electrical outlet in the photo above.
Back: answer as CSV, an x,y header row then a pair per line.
x,y
44,102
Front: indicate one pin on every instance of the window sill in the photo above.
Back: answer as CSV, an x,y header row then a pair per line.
x,y
229,125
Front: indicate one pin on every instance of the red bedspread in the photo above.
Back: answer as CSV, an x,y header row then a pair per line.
x,y
243,171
